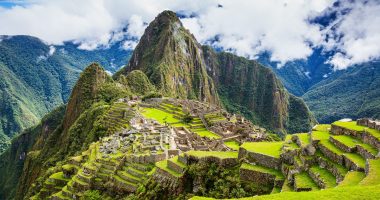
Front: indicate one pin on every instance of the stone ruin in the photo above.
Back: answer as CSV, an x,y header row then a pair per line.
x,y
370,123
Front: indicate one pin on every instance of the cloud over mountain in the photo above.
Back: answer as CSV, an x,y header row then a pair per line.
x,y
284,28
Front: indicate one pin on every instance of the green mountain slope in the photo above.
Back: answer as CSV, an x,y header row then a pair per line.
x,y
46,144
351,93
247,87
35,78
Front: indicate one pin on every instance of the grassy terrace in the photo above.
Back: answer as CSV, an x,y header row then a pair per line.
x,y
232,144
203,132
164,166
360,161
329,145
319,135
218,154
303,180
342,170
162,117
326,176
373,176
289,143
59,176
352,178
347,140
304,138
263,169
177,162
322,127
353,126
272,149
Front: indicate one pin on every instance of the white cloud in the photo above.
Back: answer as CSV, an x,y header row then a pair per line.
x,y
360,35
247,28
129,45
51,50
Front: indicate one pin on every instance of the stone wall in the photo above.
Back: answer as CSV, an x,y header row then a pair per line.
x,y
331,168
363,152
175,167
337,130
317,179
226,162
331,155
370,139
174,184
261,159
145,159
351,165
342,146
260,178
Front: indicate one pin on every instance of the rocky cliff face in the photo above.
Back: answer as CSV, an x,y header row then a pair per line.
x,y
172,59
248,87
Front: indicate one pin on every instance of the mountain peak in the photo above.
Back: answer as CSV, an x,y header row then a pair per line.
x,y
167,16
172,59
85,92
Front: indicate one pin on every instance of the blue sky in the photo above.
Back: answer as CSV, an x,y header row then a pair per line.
x,y
9,4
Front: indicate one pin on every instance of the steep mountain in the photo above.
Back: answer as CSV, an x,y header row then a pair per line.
x,y
350,93
179,67
247,87
13,159
35,78
172,59
62,133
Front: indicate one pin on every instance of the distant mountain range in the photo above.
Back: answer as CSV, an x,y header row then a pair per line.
x,y
332,95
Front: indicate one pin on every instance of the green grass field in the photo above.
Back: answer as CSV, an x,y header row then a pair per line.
x,y
352,178
263,169
356,158
203,132
373,177
232,144
353,126
272,149
322,127
304,138
303,180
347,140
161,116
164,166
218,154
319,135
326,176
351,193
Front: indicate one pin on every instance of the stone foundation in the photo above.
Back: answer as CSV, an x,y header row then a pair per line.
x,y
260,178
261,159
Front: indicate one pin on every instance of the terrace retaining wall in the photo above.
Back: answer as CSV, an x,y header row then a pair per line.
x,y
260,159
